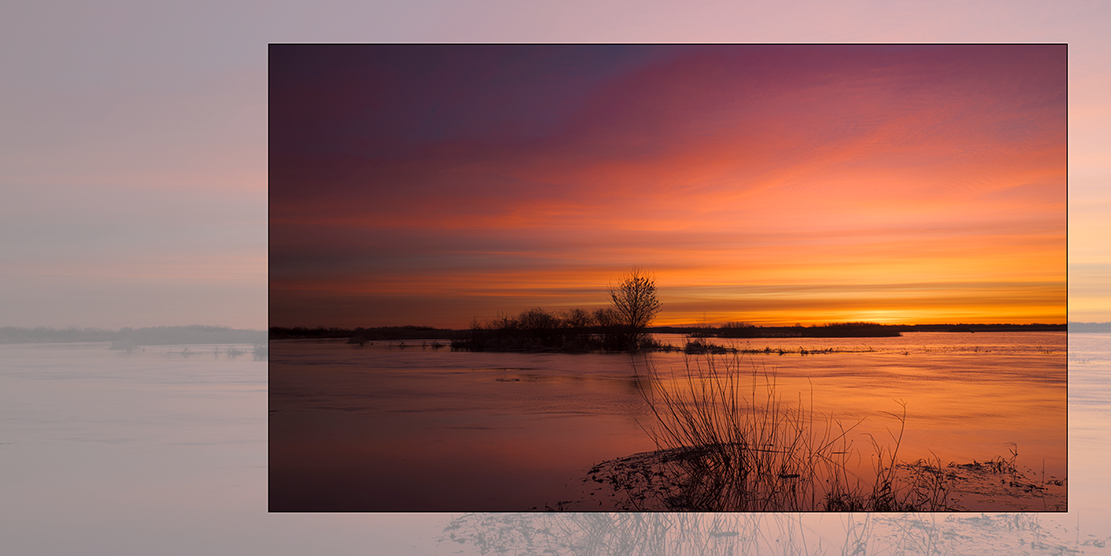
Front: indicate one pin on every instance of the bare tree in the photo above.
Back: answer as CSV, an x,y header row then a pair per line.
x,y
635,301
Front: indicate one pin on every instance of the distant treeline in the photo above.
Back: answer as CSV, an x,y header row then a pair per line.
x,y
155,335
832,330
580,330
574,330
380,333
849,330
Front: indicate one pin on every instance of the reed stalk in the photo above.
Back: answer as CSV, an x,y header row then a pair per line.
x,y
734,444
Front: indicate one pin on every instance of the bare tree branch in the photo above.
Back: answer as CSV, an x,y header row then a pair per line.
x,y
635,301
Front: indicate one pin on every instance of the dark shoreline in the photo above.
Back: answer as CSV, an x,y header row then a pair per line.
x,y
563,339
850,330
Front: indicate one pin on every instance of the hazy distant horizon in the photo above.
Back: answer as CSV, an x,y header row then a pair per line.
x,y
117,329
130,336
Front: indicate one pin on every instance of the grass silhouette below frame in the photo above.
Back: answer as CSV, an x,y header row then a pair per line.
x,y
726,441
786,534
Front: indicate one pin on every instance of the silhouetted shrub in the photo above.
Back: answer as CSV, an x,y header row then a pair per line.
x,y
573,330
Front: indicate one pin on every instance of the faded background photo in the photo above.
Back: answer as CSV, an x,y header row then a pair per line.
x,y
133,170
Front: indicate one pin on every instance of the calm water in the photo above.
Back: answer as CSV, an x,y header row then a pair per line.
x,y
382,428
111,453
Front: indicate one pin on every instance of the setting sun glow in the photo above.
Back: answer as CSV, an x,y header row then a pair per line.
x,y
432,185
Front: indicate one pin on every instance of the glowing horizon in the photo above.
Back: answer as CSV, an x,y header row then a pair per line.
x,y
434,185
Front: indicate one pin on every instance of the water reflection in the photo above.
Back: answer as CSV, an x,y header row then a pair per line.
x,y
1085,529
379,428
256,352
761,533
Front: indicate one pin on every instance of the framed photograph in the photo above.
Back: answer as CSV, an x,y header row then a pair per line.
x,y
659,278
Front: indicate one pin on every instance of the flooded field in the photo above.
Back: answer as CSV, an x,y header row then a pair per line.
x,y
126,450
415,428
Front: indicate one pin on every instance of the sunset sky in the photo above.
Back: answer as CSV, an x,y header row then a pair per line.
x,y
422,184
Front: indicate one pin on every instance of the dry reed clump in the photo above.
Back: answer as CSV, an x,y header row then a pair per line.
x,y
733,444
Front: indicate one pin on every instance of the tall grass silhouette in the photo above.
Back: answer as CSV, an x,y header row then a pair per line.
x,y
729,442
